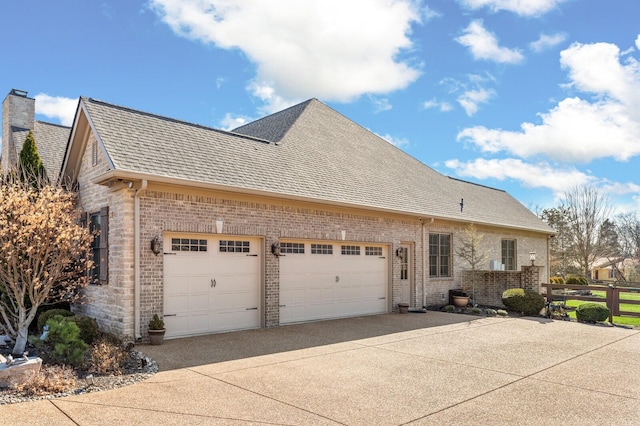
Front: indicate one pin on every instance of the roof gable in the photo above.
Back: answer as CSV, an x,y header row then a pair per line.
x,y
51,140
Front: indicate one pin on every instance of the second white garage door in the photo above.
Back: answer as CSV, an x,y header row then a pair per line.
x,y
321,280
211,284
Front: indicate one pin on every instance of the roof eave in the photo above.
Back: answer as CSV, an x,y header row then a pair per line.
x,y
135,179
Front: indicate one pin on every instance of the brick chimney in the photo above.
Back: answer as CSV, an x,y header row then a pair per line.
x,y
18,112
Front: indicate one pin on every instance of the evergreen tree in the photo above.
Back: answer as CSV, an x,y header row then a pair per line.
x,y
30,164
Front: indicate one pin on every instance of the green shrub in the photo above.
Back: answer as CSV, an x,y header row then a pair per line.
x,y
63,342
490,312
527,302
46,315
577,280
592,312
476,311
156,323
502,313
89,330
449,308
557,280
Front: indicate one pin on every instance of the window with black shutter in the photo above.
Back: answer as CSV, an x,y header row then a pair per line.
x,y
99,226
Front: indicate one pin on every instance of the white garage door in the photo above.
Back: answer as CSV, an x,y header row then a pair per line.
x,y
211,284
332,280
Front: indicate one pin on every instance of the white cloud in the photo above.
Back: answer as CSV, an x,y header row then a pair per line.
x,y
484,45
430,14
399,142
470,99
542,175
638,42
578,129
519,7
380,104
230,122
333,50
547,41
58,107
433,103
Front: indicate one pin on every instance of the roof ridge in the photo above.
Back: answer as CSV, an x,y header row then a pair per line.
x,y
53,124
173,120
476,184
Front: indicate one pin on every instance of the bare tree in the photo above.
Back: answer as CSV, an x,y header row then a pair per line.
x,y
588,212
471,252
44,253
561,245
628,229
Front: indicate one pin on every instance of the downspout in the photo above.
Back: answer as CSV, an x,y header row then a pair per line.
x,y
424,264
136,259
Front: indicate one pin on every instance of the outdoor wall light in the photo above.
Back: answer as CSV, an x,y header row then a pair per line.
x,y
532,257
275,249
156,246
400,253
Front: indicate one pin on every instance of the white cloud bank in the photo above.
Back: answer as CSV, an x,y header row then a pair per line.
x,y
603,122
56,107
335,50
519,7
484,45
541,175
606,124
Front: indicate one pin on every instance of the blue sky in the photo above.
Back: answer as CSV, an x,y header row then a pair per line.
x,y
530,96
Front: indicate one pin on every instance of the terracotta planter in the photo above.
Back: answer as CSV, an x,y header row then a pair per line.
x,y
156,336
460,301
403,307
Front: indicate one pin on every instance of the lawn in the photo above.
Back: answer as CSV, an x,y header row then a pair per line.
x,y
635,321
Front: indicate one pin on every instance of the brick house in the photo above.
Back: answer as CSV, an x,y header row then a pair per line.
x,y
299,216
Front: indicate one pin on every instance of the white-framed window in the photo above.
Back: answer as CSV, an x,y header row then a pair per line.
x,y
439,255
188,244
295,248
233,246
321,249
350,250
373,251
509,255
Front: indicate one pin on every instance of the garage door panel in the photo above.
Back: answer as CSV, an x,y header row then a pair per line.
x,y
309,289
210,291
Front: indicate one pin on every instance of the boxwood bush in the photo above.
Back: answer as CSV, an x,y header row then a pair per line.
x,y
577,280
592,312
46,315
527,302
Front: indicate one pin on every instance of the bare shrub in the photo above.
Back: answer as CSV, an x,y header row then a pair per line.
x,y
107,356
50,379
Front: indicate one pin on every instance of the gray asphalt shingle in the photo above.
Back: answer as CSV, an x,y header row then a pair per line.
x,y
309,151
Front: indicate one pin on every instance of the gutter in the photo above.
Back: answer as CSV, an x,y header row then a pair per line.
x,y
136,261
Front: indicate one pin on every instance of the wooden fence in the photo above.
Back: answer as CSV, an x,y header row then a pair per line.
x,y
612,298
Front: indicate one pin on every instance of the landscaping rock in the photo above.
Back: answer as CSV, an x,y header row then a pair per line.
x,y
19,372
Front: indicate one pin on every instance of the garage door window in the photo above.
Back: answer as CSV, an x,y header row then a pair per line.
x,y
296,248
351,250
228,246
188,244
373,251
321,249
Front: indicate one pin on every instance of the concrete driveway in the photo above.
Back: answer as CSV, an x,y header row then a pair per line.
x,y
417,369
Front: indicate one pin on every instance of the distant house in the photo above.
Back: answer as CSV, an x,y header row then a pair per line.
x,y
609,270
299,216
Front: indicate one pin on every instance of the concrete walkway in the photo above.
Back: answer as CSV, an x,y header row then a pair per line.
x,y
417,369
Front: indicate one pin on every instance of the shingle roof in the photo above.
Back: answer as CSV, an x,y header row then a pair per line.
x,y
51,140
320,155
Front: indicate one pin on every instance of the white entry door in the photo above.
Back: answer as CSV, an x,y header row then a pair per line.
x,y
321,280
211,284
404,253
